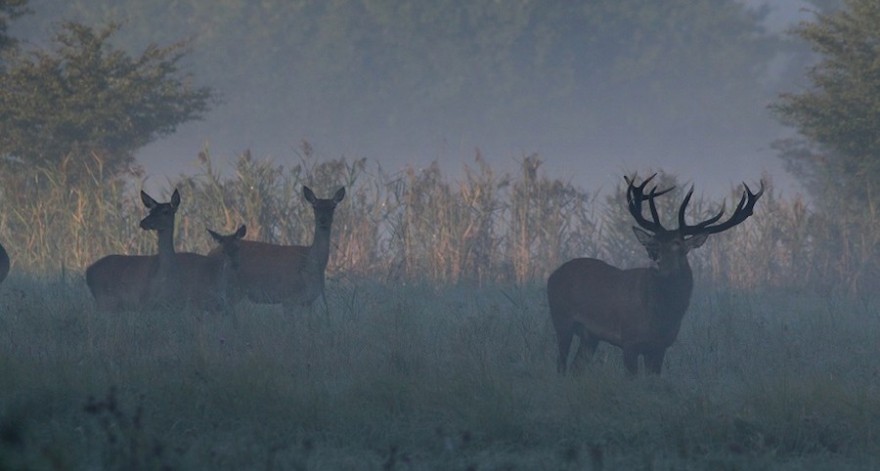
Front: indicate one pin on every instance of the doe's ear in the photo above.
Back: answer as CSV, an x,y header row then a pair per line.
x,y
148,200
175,199
309,194
241,232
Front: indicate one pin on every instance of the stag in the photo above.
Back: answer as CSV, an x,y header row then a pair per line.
x,y
638,310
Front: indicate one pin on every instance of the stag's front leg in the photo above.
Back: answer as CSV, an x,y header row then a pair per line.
x,y
654,360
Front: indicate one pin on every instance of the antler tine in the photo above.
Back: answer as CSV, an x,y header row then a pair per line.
x,y
743,210
683,227
635,195
653,205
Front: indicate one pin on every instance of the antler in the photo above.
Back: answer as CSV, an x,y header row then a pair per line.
x,y
743,210
635,195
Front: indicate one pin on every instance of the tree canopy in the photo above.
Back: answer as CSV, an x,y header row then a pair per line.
x,y
9,10
838,115
88,102
535,74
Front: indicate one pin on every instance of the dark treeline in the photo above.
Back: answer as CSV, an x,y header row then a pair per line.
x,y
416,78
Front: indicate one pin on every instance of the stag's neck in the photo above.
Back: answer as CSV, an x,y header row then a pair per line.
x,y
167,260
669,295
319,252
674,291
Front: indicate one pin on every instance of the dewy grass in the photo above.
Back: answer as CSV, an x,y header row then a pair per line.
x,y
425,377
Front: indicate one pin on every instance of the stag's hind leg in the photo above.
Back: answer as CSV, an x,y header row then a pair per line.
x,y
654,360
631,360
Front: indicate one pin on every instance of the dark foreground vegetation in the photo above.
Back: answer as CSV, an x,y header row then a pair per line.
x,y
420,377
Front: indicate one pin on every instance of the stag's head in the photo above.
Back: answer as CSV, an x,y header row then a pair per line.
x,y
669,247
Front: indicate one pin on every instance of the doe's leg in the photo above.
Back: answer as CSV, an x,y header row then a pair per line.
x,y
563,341
585,350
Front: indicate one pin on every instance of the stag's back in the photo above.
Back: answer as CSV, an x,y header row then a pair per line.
x,y
607,301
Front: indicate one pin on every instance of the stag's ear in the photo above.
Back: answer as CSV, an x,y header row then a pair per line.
x,y
148,200
696,241
645,237
648,240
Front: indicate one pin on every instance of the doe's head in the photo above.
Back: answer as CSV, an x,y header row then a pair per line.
x,y
161,216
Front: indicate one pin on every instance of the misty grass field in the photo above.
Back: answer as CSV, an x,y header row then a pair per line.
x,y
421,377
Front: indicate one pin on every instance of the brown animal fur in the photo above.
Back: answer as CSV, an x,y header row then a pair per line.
x,y
132,282
639,310
291,275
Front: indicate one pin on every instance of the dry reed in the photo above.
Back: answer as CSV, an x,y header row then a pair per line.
x,y
418,225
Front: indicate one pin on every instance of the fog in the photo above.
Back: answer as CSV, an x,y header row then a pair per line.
x,y
679,88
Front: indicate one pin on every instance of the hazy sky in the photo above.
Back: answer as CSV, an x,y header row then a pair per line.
x,y
593,158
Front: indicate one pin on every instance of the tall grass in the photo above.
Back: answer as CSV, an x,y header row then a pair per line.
x,y
418,225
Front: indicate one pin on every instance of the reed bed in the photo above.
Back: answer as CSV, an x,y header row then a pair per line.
x,y
420,226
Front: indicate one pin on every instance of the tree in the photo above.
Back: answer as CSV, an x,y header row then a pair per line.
x,y
88,105
9,10
837,152
585,77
